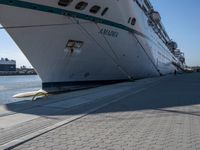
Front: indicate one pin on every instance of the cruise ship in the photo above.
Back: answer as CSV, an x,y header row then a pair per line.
x,y
7,65
75,43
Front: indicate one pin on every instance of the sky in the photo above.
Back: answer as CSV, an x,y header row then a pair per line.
x,y
8,49
181,19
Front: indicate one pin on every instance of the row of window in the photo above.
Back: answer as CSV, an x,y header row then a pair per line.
x,y
82,5
94,9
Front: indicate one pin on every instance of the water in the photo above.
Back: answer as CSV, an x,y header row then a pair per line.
x,y
11,85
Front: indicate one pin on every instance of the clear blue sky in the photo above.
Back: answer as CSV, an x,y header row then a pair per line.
x,y
180,17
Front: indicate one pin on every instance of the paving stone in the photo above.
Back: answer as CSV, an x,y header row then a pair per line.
x,y
164,117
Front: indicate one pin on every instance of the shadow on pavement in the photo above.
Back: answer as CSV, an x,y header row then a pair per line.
x,y
182,90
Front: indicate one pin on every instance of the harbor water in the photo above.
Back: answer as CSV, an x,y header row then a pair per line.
x,y
11,85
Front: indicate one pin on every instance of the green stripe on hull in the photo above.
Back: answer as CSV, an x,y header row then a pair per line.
x,y
58,11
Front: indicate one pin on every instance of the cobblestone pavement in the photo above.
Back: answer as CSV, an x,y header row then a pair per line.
x,y
166,116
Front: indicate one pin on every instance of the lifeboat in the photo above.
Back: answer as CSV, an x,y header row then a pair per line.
x,y
172,45
155,16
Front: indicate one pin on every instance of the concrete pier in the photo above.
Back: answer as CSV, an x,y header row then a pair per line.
x,y
149,114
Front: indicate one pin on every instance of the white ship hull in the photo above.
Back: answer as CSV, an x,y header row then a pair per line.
x,y
111,51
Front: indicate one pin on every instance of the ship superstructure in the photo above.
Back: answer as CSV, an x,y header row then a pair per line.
x,y
84,42
7,65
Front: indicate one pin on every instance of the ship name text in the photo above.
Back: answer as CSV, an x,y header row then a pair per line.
x,y
110,33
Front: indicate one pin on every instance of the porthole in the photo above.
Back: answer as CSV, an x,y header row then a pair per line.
x,y
64,2
81,5
133,21
95,9
104,11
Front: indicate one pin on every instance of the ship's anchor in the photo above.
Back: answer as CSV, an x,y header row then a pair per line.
x,y
73,46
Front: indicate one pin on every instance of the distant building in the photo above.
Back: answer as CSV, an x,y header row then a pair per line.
x,y
196,68
7,65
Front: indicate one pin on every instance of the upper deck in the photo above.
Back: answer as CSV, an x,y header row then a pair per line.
x,y
6,61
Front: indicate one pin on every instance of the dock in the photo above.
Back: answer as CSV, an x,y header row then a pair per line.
x,y
160,113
